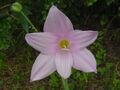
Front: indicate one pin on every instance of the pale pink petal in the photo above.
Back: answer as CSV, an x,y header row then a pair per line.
x,y
43,66
64,63
84,60
57,22
82,39
44,42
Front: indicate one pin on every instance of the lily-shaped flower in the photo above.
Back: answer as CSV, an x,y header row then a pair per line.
x,y
61,47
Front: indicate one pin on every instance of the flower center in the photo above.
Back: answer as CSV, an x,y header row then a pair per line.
x,y
64,43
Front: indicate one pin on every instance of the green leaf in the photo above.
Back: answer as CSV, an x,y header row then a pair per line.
x,y
103,20
109,2
89,2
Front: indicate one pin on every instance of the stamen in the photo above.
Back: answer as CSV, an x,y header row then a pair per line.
x,y
64,43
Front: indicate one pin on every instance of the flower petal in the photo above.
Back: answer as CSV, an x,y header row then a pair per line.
x,y
82,39
43,66
57,22
64,63
40,41
84,61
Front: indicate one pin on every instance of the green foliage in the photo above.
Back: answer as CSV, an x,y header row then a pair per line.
x,y
108,2
89,2
54,81
2,58
5,33
104,20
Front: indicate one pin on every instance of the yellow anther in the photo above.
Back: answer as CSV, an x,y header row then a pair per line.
x,y
64,43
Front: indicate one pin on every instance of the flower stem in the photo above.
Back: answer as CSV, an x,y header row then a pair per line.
x,y
33,27
65,84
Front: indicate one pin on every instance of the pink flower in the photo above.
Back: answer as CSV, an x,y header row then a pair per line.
x,y
61,47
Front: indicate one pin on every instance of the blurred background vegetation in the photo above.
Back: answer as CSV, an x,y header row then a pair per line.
x,y
16,57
